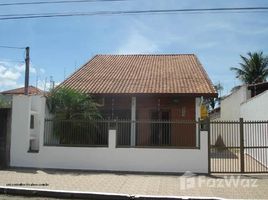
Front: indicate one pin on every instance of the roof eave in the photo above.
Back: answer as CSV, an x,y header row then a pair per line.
x,y
207,95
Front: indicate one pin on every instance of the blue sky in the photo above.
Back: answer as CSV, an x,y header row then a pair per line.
x,y
61,45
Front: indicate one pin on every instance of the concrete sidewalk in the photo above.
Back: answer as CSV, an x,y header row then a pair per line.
x,y
232,187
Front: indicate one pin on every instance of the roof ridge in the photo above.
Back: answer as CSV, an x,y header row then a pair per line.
x,y
159,54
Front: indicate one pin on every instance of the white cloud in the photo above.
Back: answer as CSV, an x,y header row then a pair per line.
x,y
137,43
8,76
21,68
2,69
12,75
8,83
8,73
42,70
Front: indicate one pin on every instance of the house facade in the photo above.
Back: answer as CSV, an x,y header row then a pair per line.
x,y
147,88
150,105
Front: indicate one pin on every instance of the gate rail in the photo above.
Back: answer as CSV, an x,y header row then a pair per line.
x,y
238,146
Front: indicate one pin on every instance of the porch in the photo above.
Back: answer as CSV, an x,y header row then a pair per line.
x,y
152,120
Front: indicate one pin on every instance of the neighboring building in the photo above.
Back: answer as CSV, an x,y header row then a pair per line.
x,y
247,101
6,96
215,114
146,87
17,91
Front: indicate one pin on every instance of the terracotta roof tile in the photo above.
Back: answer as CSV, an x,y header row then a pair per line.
x,y
140,74
32,90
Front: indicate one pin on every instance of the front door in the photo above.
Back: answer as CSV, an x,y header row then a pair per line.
x,y
160,128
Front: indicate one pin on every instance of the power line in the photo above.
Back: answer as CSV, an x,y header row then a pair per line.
x,y
127,12
54,2
10,47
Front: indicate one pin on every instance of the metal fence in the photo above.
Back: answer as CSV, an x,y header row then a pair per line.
x,y
238,146
75,133
163,134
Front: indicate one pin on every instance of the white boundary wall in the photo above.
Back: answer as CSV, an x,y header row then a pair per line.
x,y
254,109
98,158
230,111
230,105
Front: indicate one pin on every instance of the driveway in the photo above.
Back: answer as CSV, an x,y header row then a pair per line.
x,y
230,186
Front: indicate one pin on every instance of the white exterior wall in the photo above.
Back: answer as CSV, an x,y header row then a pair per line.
x,y
98,158
22,109
230,106
115,159
230,111
254,109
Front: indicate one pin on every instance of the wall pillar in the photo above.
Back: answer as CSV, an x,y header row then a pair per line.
x,y
112,139
133,122
197,116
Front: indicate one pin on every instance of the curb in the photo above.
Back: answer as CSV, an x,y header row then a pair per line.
x,y
30,192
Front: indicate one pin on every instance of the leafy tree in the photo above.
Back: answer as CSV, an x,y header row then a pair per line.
x,y
4,103
253,69
212,102
66,103
74,115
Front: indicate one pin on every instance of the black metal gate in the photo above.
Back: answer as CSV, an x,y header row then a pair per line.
x,y
238,146
4,137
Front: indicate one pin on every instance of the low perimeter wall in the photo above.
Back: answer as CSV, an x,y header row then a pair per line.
x,y
102,158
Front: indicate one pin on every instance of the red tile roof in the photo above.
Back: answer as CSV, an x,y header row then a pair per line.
x,y
32,90
142,74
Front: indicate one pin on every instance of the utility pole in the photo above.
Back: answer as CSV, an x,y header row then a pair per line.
x,y
27,69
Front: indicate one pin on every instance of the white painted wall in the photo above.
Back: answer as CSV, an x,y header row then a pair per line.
x,y
99,158
230,111
116,159
230,106
254,109
22,109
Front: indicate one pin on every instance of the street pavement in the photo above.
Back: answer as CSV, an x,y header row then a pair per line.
x,y
224,186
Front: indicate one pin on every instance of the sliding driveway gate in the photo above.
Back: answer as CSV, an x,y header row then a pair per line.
x,y
238,146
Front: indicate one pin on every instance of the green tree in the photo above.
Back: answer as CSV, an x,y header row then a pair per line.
x,y
212,102
74,118
66,103
4,103
253,68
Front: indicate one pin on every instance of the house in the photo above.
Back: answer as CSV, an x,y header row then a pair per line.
x,y
150,106
246,101
147,88
17,91
6,96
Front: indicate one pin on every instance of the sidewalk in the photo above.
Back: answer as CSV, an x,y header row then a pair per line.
x,y
242,187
